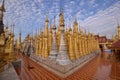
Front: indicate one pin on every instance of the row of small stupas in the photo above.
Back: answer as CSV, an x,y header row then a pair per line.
x,y
106,43
69,42
6,41
116,44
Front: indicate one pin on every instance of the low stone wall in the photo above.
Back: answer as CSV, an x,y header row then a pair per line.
x,y
9,74
60,70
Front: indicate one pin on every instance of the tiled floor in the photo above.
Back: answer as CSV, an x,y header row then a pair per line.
x,y
98,68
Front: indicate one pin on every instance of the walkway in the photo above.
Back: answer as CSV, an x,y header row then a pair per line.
x,y
99,68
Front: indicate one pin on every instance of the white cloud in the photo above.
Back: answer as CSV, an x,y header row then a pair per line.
x,y
92,1
82,3
104,21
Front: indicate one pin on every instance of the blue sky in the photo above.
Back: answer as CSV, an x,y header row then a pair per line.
x,y
98,16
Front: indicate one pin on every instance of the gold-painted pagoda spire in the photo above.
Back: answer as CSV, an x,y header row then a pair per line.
x,y
46,38
61,20
19,46
2,10
6,29
54,25
11,54
71,53
2,7
75,34
46,25
12,29
75,26
118,29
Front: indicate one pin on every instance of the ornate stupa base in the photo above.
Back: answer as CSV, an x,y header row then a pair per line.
x,y
63,66
63,62
63,58
53,55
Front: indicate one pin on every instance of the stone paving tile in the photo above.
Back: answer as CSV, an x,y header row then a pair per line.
x,y
100,69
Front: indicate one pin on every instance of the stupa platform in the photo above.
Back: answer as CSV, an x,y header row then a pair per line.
x,y
63,70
